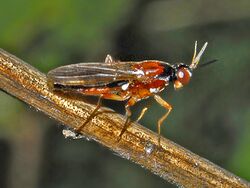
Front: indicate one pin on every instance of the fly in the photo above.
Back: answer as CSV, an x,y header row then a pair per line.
x,y
120,81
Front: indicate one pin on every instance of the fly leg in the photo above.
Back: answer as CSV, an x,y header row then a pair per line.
x,y
168,107
130,103
92,115
142,113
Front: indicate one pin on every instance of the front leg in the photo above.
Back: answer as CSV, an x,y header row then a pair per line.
x,y
168,107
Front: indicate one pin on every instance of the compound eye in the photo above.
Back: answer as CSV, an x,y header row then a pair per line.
x,y
183,75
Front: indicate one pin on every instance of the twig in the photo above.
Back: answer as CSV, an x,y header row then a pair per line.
x,y
138,144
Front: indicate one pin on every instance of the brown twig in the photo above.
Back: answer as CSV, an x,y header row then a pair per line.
x,y
170,161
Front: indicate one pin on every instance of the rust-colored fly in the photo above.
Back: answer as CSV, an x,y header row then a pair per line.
x,y
120,81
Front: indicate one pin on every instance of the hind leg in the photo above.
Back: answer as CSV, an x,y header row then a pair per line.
x,y
92,115
95,111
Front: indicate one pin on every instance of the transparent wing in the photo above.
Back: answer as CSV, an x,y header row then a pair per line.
x,y
93,74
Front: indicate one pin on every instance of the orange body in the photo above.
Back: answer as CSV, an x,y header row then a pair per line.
x,y
136,89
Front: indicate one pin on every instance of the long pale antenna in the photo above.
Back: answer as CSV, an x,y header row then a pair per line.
x,y
195,49
197,58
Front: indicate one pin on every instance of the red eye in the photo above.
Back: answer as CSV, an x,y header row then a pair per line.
x,y
183,75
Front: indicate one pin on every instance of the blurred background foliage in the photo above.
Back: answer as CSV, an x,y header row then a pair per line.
x,y
211,115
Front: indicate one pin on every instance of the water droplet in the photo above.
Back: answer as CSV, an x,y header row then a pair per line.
x,y
196,164
149,148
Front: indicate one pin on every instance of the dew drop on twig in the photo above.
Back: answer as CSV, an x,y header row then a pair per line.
x,y
149,148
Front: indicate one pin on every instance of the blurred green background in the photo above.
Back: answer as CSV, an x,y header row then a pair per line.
x,y
211,115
